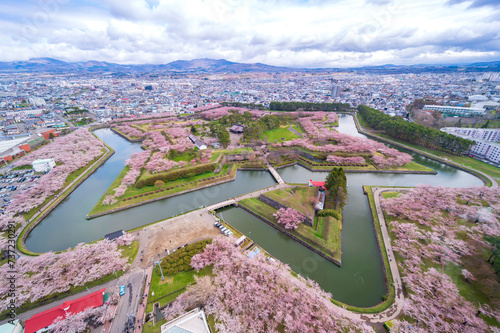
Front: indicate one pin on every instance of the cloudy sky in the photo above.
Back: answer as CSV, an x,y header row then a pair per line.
x,y
295,33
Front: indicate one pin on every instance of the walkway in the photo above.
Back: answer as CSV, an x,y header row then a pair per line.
x,y
140,316
255,194
275,173
394,310
294,131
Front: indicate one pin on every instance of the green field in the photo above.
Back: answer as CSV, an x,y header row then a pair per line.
x,y
296,198
280,134
172,284
324,236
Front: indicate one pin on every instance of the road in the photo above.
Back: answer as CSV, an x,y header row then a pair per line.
x,y
130,301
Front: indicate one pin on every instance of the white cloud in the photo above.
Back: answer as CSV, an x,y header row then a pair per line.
x,y
285,33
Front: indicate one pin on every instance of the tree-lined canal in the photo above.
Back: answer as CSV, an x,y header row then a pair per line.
x,y
359,282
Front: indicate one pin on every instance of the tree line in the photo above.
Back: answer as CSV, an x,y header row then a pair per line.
x,y
336,184
307,106
397,127
244,105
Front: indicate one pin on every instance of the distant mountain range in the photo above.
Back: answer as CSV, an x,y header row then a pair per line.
x,y
209,66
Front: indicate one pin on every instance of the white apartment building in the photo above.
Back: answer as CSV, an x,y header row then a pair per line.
x,y
455,110
488,150
486,134
43,165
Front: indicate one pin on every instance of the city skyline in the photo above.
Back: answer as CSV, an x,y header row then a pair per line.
x,y
302,34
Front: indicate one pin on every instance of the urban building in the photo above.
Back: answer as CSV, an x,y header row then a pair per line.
x,y
487,150
192,322
455,110
43,165
197,142
486,134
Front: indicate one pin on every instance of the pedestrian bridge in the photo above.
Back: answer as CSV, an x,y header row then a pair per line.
x,y
222,204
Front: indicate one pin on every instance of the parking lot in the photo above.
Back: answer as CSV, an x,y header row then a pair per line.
x,y
14,182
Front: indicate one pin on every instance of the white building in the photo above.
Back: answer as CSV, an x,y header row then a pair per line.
x,y
455,110
486,134
192,322
488,150
43,165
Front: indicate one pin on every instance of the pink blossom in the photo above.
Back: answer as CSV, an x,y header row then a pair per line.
x,y
289,218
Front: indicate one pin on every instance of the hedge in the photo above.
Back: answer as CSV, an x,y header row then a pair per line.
x,y
180,260
176,174
329,212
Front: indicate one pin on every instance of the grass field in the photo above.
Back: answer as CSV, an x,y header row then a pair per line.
x,y
280,134
296,198
325,236
172,284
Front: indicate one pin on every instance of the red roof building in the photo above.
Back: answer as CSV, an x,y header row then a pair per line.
x,y
46,134
316,184
46,318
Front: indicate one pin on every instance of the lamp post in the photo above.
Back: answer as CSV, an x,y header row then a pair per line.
x,y
159,262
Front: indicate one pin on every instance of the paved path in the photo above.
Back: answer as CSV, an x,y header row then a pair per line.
x,y
294,131
129,303
142,310
394,310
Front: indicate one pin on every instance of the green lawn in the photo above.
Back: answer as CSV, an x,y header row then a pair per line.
x,y
186,156
172,284
414,166
279,134
296,198
324,237
130,251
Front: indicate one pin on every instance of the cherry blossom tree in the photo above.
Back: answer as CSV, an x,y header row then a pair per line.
x,y
80,322
339,160
259,295
441,226
289,218
49,273
70,152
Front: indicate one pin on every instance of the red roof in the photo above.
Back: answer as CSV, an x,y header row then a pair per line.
x,y
46,318
316,183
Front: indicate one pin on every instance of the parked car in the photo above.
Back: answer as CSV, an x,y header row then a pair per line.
x,y
122,290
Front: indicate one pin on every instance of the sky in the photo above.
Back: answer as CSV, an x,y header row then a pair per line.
x,y
292,33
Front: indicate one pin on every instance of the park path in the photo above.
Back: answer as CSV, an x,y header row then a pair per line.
x,y
294,131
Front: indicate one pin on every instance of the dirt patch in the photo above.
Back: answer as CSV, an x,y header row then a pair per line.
x,y
155,240
167,279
